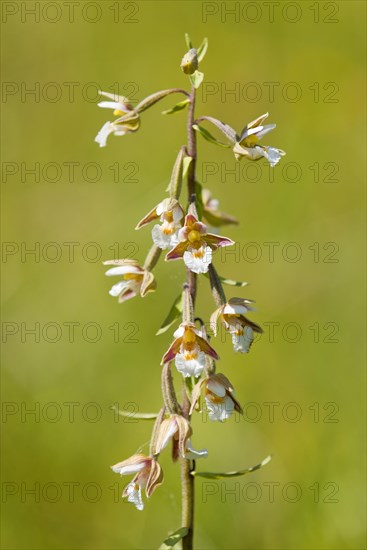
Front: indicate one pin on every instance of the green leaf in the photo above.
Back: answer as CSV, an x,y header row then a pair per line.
x,y
188,41
178,107
202,49
134,415
208,136
230,282
196,78
173,539
219,475
174,313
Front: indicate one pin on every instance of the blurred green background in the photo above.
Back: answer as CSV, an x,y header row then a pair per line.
x,y
314,53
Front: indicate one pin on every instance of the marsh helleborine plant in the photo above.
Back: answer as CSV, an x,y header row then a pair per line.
x,y
187,233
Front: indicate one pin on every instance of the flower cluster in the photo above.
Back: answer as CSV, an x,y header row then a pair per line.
x,y
187,233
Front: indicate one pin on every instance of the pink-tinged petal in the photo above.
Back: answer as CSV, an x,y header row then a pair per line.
x,y
131,465
216,241
216,387
206,347
172,351
152,215
126,295
190,219
177,252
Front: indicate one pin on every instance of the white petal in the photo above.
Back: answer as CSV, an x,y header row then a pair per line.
x,y
130,469
232,309
242,342
179,332
163,240
177,213
103,134
123,270
273,155
112,105
220,411
160,208
133,493
216,388
192,454
170,433
198,261
190,367
118,288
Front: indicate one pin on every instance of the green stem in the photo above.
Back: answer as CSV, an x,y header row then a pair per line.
x,y
187,466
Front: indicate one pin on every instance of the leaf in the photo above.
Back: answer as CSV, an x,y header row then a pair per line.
x,y
178,107
208,136
219,475
173,539
230,282
188,41
137,416
196,78
174,313
202,49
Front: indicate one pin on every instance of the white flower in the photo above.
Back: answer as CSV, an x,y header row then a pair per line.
x,y
198,260
247,144
128,121
189,349
220,398
196,244
232,315
148,476
178,429
170,213
136,280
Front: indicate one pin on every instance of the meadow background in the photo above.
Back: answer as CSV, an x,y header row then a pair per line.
x,y
314,53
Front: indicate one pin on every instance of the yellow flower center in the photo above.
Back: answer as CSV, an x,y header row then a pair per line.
x,y
117,112
250,141
132,276
194,236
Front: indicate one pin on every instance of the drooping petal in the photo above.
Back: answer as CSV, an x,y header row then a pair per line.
x,y
101,138
162,238
126,295
148,284
198,260
214,319
133,494
242,339
155,478
190,367
219,411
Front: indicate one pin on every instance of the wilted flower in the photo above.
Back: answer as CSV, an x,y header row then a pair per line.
x,y
247,144
196,245
189,350
135,279
128,121
177,428
149,476
211,212
232,315
170,213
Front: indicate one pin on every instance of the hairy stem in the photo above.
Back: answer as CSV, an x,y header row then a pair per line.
x,y
187,466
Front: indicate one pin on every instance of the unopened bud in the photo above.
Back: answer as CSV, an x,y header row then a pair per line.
x,y
189,63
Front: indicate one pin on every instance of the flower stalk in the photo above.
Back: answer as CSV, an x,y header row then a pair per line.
x,y
188,234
